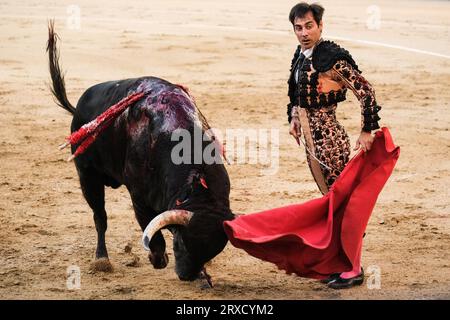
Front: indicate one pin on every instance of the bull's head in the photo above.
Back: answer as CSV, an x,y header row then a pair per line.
x,y
195,218
199,239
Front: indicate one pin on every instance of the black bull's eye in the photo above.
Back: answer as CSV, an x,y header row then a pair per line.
x,y
184,196
180,202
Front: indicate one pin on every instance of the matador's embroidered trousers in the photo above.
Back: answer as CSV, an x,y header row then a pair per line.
x,y
327,139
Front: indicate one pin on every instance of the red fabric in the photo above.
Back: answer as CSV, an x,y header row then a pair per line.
x,y
88,133
322,236
110,113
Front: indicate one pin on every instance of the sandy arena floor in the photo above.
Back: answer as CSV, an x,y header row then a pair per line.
x,y
234,56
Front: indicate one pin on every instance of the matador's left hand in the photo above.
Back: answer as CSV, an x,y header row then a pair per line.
x,y
364,141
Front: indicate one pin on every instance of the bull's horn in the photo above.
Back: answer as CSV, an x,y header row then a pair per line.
x,y
181,217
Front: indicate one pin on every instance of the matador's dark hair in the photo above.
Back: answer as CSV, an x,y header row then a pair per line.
x,y
302,8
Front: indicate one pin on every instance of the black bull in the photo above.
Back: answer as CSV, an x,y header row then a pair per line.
x,y
192,200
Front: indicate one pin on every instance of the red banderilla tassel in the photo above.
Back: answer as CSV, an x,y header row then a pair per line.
x,y
90,131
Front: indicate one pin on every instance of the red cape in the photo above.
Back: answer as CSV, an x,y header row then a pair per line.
x,y
322,236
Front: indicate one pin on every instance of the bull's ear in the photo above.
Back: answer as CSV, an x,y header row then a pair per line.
x,y
203,182
200,178
184,195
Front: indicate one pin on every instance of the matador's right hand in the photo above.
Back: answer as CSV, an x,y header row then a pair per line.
x,y
294,127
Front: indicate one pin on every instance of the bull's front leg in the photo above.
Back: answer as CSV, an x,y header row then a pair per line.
x,y
157,256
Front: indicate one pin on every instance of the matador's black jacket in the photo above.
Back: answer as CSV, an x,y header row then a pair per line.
x,y
322,80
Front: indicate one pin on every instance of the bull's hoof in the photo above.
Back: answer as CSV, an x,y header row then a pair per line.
x,y
206,280
158,261
101,265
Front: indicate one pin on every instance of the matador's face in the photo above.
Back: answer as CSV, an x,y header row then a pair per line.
x,y
307,30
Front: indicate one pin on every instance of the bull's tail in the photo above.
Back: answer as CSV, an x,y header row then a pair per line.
x,y
58,87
